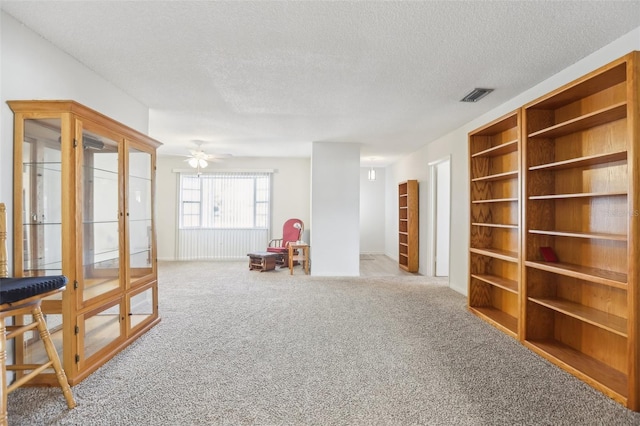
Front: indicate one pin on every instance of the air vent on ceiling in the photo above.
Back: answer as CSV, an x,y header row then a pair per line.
x,y
476,94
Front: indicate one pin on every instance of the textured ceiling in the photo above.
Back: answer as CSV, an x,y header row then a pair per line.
x,y
268,78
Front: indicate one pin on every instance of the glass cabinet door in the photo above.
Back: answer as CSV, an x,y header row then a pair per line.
x,y
42,197
141,307
100,328
139,214
41,226
101,233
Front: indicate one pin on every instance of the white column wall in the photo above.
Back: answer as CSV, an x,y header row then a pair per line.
x,y
335,209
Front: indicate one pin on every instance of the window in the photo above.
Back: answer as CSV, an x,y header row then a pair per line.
x,y
225,200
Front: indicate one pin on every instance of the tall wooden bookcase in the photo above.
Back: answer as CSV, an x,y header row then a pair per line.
x,y
580,201
494,244
83,207
408,225
582,187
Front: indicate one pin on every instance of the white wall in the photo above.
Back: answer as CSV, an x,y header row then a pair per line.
x,y
33,68
372,211
335,209
414,166
290,193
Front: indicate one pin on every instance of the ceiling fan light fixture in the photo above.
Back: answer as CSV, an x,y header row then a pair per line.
x,y
476,94
193,162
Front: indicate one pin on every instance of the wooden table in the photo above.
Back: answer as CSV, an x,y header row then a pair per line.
x,y
299,252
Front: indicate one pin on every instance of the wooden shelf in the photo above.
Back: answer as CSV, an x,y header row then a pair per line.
x,y
599,276
97,287
590,160
509,256
589,235
495,200
609,380
608,76
578,195
584,122
503,283
505,148
497,317
495,225
609,322
498,176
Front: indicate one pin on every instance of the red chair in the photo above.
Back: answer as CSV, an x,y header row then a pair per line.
x,y
291,232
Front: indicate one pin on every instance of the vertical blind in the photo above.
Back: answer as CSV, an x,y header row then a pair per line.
x,y
223,215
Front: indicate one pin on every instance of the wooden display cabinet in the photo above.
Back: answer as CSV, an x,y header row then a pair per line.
x,y
408,226
582,197
83,207
494,244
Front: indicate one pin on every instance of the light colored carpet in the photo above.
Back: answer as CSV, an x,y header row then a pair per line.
x,y
240,347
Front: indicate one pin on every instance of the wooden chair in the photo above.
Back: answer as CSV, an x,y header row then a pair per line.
x,y
23,296
291,232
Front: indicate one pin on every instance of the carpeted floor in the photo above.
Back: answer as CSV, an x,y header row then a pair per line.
x,y
239,347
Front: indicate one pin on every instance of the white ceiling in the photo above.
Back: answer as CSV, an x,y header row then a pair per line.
x,y
258,78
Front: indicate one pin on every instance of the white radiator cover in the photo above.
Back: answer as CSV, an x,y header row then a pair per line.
x,y
220,244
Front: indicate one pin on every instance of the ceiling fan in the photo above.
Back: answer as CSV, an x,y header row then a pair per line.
x,y
200,159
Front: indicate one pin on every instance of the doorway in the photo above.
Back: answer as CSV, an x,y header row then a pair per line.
x,y
440,213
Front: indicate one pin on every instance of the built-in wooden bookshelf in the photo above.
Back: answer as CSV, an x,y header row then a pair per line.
x,y
495,216
581,197
408,225
554,227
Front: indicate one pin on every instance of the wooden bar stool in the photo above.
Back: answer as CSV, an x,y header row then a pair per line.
x,y
23,296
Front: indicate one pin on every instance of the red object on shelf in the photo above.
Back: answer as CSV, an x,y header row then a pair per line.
x,y
548,254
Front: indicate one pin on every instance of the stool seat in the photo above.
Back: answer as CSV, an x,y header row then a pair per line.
x,y
14,290
23,296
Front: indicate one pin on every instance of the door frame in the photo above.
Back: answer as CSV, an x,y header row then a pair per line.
x,y
432,215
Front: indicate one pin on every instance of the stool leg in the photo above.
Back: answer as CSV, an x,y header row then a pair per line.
x,y
4,419
53,356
